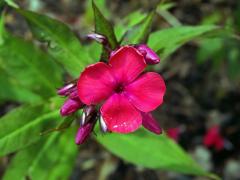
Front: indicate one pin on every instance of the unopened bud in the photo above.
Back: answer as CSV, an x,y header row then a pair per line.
x,y
98,37
70,106
150,56
89,113
74,94
89,110
150,123
83,133
66,90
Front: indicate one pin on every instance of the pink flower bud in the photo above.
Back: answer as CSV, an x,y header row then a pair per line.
x,y
97,37
70,106
150,123
66,90
83,133
74,94
150,56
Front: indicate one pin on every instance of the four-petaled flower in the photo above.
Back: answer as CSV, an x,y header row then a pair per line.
x,y
126,94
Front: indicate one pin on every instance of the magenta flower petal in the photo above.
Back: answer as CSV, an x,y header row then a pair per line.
x,y
219,144
150,123
83,133
120,115
70,106
146,93
213,138
150,56
95,84
127,63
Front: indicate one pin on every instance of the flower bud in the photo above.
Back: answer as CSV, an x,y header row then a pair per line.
x,y
89,110
70,106
150,56
150,123
83,119
74,94
66,90
83,133
98,37
89,114
103,124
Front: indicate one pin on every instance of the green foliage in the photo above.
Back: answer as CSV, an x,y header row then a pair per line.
x,y
48,159
25,156
148,150
88,17
104,27
63,45
166,41
214,49
139,33
94,50
28,67
9,2
162,10
25,124
13,91
128,22
210,48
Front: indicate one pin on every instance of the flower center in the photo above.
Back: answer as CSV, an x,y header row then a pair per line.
x,y
119,88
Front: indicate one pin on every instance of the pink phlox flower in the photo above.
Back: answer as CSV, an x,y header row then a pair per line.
x,y
127,96
213,138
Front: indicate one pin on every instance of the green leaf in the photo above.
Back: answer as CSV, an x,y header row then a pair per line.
x,y
162,10
22,126
28,66
127,23
37,159
9,2
210,49
55,154
234,63
1,27
11,90
94,49
25,156
166,41
87,19
104,27
139,33
63,44
152,151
